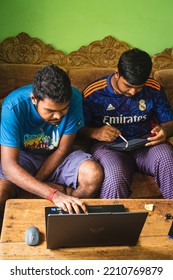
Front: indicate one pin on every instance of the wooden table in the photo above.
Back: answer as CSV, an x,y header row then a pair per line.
x,y
20,214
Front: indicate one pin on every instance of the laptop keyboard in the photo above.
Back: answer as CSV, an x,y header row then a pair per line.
x,y
91,209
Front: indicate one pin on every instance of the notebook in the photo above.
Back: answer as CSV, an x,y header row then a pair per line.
x,y
104,225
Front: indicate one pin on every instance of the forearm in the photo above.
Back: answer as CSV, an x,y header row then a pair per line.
x,y
51,163
21,178
57,157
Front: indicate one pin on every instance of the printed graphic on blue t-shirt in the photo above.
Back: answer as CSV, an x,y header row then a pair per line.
x,y
41,141
22,127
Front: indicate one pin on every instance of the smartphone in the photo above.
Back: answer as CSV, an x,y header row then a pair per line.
x,y
170,233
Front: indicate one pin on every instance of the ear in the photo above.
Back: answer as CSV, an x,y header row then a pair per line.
x,y
116,73
33,99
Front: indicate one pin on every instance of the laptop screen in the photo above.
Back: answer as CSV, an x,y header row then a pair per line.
x,y
106,225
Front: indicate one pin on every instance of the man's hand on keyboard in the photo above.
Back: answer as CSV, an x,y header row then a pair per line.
x,y
69,203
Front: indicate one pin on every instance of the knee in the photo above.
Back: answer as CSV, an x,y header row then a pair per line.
x,y
162,156
91,176
95,173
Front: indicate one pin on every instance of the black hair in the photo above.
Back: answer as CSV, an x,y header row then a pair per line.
x,y
53,83
135,66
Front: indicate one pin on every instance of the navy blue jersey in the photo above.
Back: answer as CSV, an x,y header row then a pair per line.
x,y
133,116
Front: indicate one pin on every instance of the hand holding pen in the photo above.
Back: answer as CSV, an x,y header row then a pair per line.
x,y
124,139
107,133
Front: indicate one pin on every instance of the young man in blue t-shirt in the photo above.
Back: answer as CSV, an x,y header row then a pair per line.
x,y
38,126
126,103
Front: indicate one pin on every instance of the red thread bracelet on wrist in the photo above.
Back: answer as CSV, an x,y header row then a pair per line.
x,y
52,192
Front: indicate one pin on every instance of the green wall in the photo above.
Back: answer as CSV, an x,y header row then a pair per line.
x,y
69,24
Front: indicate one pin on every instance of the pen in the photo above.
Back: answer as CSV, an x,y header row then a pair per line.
x,y
124,139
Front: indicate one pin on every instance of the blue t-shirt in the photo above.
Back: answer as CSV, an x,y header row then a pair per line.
x,y
133,116
22,127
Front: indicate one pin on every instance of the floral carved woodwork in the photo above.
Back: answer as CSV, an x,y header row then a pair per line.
x,y
23,49
104,53
101,53
163,60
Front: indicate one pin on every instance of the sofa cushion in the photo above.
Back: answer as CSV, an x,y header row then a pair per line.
x,y
80,78
165,78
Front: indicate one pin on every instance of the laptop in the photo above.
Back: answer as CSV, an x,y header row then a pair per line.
x,y
104,225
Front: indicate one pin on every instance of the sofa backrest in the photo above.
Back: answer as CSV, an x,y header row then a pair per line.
x,y
163,71
22,56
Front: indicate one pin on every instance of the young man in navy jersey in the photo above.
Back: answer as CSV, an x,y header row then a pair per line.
x,y
38,126
126,103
